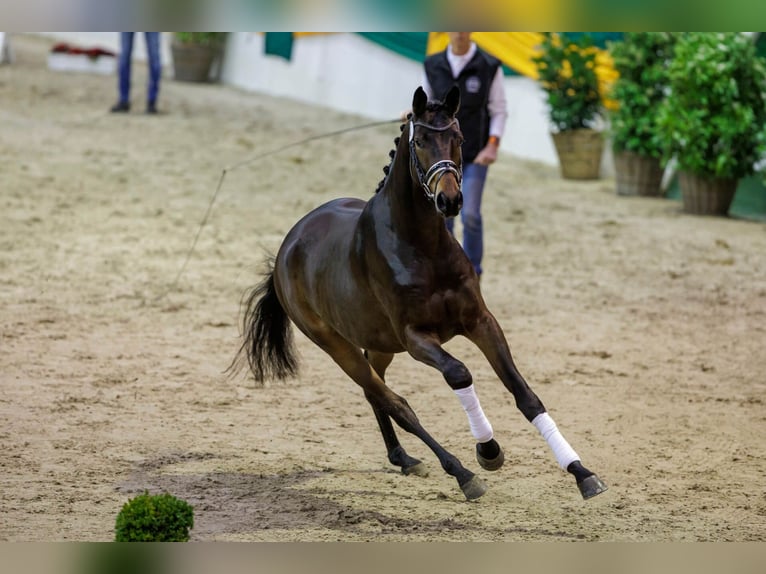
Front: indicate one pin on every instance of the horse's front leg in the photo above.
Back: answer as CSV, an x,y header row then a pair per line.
x,y
489,337
426,348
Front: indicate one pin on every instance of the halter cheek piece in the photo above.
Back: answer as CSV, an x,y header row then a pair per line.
x,y
430,179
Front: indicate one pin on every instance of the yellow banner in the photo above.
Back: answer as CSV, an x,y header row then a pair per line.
x,y
516,50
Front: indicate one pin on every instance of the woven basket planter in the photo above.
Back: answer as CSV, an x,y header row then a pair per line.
x,y
579,153
637,174
706,195
192,63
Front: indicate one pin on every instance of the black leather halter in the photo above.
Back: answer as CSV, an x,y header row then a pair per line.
x,y
430,179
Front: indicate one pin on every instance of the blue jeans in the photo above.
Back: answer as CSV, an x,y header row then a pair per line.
x,y
474,176
155,65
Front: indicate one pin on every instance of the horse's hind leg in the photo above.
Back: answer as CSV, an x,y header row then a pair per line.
x,y
396,453
395,406
353,363
488,336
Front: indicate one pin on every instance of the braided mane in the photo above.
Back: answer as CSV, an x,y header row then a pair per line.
x,y
392,155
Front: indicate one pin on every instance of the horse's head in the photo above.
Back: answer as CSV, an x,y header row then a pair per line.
x,y
435,157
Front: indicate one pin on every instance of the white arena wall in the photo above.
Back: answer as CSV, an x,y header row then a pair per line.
x,y
111,41
349,73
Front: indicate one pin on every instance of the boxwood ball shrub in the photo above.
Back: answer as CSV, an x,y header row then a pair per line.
x,y
642,61
154,518
714,118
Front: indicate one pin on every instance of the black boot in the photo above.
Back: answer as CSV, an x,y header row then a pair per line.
x,y
120,107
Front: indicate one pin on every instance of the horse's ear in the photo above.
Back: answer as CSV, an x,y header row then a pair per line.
x,y
419,101
452,101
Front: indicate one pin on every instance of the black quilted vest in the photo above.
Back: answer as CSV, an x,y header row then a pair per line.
x,y
474,82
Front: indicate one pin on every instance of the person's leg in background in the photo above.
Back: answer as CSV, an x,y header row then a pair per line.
x,y
450,221
155,70
474,176
123,72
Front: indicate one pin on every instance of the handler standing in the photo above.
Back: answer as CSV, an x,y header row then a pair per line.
x,y
482,116
124,72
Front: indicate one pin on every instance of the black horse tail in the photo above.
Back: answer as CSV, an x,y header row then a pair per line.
x,y
268,337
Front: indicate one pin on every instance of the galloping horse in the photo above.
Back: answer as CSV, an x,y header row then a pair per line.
x,y
365,280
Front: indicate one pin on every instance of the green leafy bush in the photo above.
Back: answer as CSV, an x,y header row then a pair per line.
x,y
567,73
200,38
714,119
642,61
154,518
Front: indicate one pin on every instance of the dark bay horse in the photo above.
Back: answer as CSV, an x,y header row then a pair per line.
x,y
365,280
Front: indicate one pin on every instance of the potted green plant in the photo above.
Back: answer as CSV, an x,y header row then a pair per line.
x,y
567,73
713,121
195,54
641,59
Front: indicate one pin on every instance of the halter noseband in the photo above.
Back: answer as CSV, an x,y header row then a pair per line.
x,y
439,169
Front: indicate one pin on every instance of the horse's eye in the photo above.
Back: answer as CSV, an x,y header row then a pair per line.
x,y
419,142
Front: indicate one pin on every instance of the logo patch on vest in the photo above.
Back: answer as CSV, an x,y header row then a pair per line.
x,y
473,84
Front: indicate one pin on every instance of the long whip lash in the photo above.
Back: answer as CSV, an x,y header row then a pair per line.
x,y
251,160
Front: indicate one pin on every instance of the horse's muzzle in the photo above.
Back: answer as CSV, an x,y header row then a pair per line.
x,y
449,207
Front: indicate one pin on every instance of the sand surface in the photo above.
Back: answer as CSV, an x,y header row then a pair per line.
x,y
641,328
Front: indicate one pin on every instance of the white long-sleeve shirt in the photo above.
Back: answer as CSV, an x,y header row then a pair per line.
x,y
496,104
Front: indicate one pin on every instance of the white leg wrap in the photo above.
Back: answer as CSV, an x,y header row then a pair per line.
x,y
565,454
480,427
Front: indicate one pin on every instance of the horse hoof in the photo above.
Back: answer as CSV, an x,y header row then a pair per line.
x,y
490,464
474,488
418,469
591,486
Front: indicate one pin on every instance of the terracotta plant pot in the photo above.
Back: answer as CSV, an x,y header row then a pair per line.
x,y
579,153
704,195
637,174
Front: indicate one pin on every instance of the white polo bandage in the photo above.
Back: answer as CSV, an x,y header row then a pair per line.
x,y
565,454
480,427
